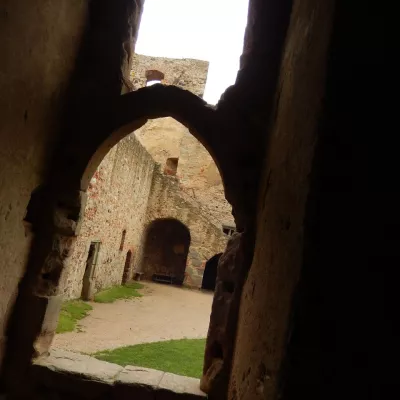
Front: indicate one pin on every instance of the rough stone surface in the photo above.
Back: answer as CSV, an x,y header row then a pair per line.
x,y
186,73
127,193
165,137
65,362
66,374
117,200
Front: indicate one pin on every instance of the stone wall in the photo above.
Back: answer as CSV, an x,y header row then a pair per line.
x,y
167,200
165,137
38,47
127,192
186,73
117,201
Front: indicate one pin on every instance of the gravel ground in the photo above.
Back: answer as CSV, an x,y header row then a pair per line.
x,y
164,312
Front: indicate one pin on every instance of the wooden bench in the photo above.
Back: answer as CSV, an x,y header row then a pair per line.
x,y
137,276
163,278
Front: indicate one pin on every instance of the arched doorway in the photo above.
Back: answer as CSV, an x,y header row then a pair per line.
x,y
166,250
210,273
127,267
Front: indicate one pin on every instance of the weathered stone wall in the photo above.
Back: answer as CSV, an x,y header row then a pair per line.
x,y
38,49
167,200
166,137
127,192
198,175
117,201
186,73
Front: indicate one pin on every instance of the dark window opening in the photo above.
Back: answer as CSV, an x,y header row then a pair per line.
x,y
121,246
210,273
91,262
171,166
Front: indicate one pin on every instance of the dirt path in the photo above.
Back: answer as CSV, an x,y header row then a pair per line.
x,y
164,312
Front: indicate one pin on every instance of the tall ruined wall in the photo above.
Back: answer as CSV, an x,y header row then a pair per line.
x,y
165,137
186,73
38,49
127,192
167,200
117,201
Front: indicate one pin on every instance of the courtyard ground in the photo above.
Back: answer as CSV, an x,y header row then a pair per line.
x,y
164,312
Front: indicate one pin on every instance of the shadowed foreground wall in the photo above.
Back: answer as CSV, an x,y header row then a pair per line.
x,y
117,200
32,95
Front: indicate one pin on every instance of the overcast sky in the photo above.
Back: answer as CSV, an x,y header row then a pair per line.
x,y
209,30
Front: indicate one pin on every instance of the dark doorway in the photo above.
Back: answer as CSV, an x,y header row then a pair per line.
x,y
127,268
166,250
88,284
210,273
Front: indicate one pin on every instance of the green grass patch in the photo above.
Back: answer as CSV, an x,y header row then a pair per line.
x,y
71,313
181,357
119,292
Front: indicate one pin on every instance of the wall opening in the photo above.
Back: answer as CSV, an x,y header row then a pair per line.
x,y
121,246
166,251
127,267
210,273
153,77
228,229
91,261
171,166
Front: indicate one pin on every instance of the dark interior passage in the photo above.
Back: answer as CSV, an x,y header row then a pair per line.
x,y
166,250
210,273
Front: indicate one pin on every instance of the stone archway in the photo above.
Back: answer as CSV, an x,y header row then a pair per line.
x,y
166,249
210,273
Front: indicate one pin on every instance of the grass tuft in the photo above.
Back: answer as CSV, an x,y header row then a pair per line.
x,y
182,357
71,313
119,292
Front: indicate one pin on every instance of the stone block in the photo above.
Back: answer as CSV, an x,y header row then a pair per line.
x,y
176,387
80,364
49,325
137,382
75,375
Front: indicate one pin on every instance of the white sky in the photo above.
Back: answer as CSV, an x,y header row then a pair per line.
x,y
211,30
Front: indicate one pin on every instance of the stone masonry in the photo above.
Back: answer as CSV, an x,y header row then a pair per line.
x,y
166,138
127,192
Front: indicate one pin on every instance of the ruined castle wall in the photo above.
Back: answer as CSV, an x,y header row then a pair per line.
x,y
167,200
165,137
127,192
117,201
186,73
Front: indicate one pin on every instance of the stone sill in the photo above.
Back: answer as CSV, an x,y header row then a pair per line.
x,y
77,376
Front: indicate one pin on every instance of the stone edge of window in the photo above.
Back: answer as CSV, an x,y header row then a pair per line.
x,y
76,374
